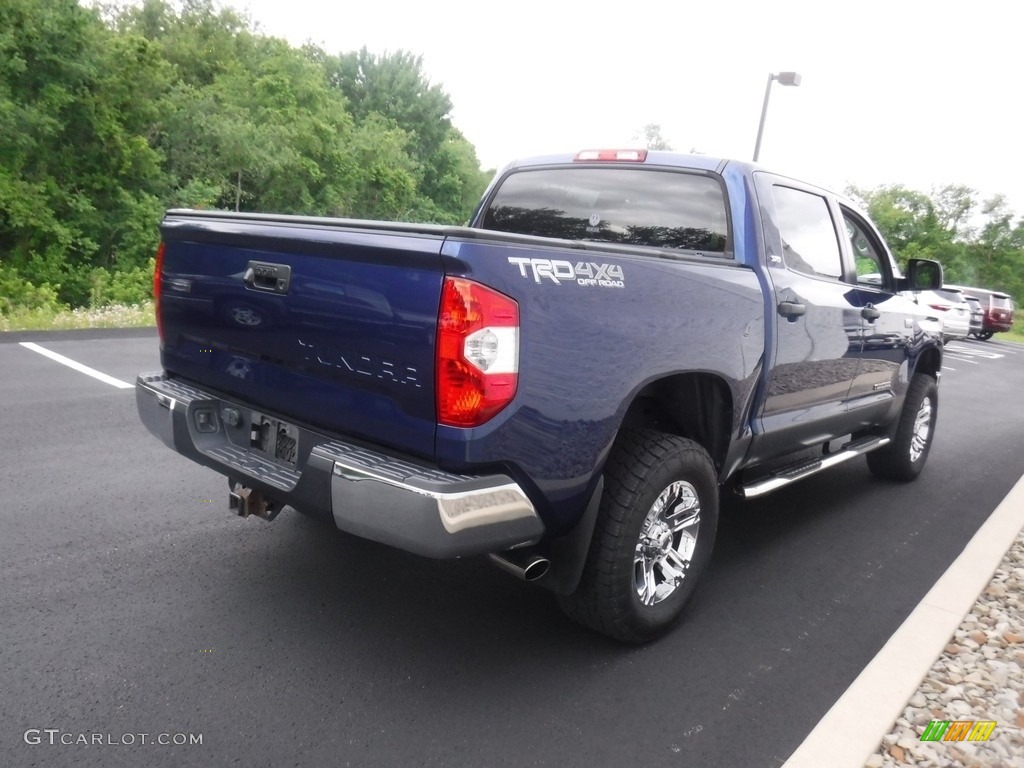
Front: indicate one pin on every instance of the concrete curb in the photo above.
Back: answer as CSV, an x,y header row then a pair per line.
x,y
851,730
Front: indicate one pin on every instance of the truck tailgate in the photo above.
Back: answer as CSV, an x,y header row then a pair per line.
x,y
321,324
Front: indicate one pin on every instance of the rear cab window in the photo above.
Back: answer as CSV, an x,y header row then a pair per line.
x,y
652,207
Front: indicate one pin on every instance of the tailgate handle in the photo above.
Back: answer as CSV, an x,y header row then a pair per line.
x,y
264,276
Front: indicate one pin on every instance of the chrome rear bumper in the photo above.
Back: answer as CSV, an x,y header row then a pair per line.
x,y
366,491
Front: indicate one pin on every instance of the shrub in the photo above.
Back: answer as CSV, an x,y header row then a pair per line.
x,y
18,293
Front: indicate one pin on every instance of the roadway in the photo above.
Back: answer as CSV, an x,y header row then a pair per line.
x,y
133,603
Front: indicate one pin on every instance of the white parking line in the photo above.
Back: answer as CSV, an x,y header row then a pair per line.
x,y
961,359
77,366
1008,347
947,368
974,352
850,732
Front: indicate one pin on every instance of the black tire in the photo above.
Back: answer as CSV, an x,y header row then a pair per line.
x,y
984,335
904,458
644,466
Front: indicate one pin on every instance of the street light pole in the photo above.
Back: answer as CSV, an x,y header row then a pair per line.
x,y
784,78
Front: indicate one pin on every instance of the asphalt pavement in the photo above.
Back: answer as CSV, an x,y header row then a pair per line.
x,y
133,603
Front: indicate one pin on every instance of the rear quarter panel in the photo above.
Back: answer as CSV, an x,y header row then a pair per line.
x,y
587,349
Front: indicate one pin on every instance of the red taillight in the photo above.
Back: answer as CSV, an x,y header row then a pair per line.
x,y
611,156
477,353
939,307
157,283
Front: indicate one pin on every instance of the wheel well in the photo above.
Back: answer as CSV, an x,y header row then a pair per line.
x,y
929,362
697,406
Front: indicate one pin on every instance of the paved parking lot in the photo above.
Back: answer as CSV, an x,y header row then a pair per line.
x,y
135,604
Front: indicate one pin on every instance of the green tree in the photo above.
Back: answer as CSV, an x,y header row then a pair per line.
x,y
395,87
944,226
200,42
109,116
954,206
72,168
907,219
387,185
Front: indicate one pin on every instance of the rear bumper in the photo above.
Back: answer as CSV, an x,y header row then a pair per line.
x,y
365,491
955,328
997,325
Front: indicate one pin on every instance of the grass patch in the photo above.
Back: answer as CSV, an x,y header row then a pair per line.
x,y
112,316
1014,334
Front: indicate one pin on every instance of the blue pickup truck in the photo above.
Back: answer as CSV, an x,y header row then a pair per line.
x,y
567,384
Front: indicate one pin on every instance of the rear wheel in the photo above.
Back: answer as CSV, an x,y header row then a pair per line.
x,y
904,458
653,537
984,335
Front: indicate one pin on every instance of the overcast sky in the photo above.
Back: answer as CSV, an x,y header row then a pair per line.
x,y
901,91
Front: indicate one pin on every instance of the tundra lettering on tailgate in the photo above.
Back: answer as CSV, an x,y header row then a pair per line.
x,y
557,270
362,365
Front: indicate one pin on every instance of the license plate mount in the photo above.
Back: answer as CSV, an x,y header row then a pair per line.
x,y
274,438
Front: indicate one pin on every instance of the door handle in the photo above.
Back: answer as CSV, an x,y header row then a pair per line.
x,y
264,276
792,309
870,314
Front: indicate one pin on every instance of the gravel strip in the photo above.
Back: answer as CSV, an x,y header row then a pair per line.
x,y
979,677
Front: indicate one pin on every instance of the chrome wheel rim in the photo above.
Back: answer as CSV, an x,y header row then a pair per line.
x,y
922,430
666,544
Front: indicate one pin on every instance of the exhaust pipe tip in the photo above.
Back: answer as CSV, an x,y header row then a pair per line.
x,y
536,568
528,566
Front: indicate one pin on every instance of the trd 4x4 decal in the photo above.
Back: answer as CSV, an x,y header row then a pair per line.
x,y
557,270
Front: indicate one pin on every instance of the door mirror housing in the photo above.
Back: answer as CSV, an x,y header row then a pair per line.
x,y
923,275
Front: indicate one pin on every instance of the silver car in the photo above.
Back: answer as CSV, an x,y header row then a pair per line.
x,y
977,314
951,308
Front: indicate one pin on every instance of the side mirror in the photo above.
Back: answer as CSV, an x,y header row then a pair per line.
x,y
924,275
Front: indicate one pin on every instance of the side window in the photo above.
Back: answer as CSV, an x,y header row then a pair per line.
x,y
809,242
869,256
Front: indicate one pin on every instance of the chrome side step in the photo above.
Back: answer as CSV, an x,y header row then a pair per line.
x,y
809,467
